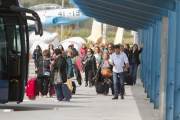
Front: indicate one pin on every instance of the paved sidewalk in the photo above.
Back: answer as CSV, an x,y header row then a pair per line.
x,y
86,105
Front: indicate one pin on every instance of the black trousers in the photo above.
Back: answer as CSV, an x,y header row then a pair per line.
x,y
89,75
43,83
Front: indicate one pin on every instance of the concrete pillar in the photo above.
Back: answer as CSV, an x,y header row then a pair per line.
x,y
176,113
96,35
162,97
119,35
146,58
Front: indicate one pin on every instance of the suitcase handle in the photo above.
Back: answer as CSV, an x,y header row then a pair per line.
x,y
14,80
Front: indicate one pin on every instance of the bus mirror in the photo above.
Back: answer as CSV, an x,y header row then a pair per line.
x,y
38,28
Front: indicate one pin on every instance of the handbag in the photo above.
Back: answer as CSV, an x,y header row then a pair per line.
x,y
106,72
69,84
57,77
46,72
33,57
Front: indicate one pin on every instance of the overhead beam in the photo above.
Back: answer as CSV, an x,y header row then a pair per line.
x,y
95,15
162,4
136,6
103,20
86,11
118,9
118,15
118,25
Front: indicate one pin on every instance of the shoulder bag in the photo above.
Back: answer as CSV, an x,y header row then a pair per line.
x,y
57,77
106,72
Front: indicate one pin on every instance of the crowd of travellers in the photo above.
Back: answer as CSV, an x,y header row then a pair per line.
x,y
104,66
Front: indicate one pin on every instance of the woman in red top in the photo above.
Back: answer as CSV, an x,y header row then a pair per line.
x,y
82,51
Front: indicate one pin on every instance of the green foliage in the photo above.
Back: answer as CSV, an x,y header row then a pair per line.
x,y
59,2
88,43
130,43
26,4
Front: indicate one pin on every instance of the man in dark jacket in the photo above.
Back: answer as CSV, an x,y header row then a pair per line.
x,y
74,51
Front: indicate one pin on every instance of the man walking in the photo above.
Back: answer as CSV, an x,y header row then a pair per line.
x,y
118,59
75,52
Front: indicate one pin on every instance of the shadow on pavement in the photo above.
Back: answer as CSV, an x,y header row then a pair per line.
x,y
33,107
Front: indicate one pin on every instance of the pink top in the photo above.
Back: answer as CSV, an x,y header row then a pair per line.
x,y
82,51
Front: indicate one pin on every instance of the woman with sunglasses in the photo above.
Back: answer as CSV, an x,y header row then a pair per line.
x,y
42,66
89,66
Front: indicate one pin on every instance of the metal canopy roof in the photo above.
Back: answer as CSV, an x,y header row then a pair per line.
x,y
129,14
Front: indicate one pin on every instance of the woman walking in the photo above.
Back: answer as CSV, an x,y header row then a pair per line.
x,y
134,61
89,66
58,63
82,51
36,54
104,64
43,72
97,54
69,69
51,49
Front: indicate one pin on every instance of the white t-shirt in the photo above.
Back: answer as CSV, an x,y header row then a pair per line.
x,y
119,61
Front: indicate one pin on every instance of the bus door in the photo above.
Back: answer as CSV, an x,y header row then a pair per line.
x,y
13,55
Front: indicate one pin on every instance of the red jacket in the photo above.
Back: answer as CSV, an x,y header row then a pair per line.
x,y
82,51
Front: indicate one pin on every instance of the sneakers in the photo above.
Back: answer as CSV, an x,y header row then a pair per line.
x,y
86,85
115,98
57,101
45,96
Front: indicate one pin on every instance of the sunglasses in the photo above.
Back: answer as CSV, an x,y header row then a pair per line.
x,y
109,49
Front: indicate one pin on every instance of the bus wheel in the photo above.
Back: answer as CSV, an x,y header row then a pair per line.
x,y
18,102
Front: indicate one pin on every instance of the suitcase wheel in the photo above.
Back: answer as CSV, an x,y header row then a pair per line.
x,y
34,97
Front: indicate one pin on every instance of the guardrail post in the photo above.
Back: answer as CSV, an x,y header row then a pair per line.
x,y
176,110
170,65
157,65
153,57
149,63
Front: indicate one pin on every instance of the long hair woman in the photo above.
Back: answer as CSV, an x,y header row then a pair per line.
x,y
134,61
43,72
97,54
51,49
89,66
37,53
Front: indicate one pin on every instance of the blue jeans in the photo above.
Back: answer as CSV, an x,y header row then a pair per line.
x,y
115,82
133,71
58,90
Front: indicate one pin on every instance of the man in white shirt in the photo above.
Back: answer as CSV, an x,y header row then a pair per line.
x,y
118,59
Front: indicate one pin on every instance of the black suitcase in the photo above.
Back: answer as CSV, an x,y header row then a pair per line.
x,y
106,88
128,79
14,90
99,88
74,87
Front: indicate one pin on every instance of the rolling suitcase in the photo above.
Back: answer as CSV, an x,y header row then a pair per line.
x,y
74,87
51,91
106,88
66,92
99,88
128,79
32,89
